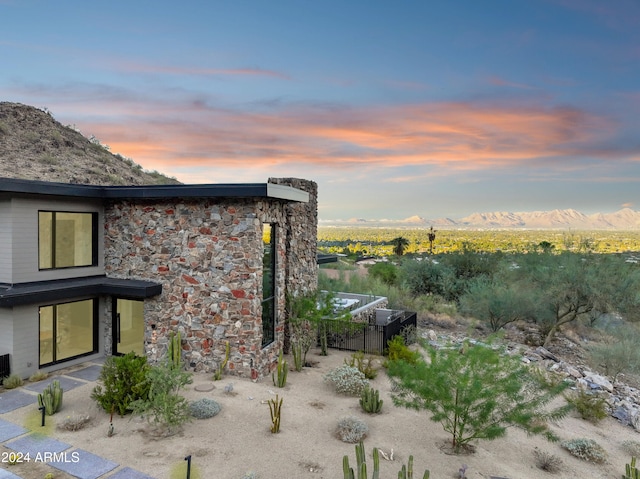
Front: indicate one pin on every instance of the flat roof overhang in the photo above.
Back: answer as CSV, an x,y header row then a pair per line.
x,y
61,289
324,258
154,192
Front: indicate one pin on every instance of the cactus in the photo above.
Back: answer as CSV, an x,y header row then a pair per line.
x,y
175,350
217,376
275,407
631,471
51,398
283,369
370,400
407,471
361,467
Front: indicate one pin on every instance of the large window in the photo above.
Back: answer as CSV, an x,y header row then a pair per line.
x,y
67,239
68,330
268,284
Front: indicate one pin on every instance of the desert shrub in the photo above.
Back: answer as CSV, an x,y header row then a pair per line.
x,y
591,407
74,422
632,448
475,392
363,364
621,355
124,380
204,408
547,461
13,381
351,429
164,406
347,380
585,449
38,376
397,350
385,272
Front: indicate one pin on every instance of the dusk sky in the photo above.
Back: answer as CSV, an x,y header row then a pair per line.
x,y
431,108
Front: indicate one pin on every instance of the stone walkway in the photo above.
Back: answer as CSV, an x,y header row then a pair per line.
x,y
59,455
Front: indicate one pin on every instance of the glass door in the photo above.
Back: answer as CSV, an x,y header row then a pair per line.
x,y
128,327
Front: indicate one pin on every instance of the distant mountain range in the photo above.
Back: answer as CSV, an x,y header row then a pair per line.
x,y
625,219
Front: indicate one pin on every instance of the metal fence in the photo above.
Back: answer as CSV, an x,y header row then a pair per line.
x,y
5,367
369,338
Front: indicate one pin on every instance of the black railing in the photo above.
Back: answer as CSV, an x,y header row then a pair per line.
x,y
5,367
369,338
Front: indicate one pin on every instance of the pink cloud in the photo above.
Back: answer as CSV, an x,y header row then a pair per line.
x,y
461,136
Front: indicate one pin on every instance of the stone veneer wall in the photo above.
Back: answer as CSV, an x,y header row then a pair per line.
x,y
208,256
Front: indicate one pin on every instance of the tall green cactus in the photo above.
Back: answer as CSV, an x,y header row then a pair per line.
x,y
370,400
51,398
280,380
275,407
175,350
631,471
361,466
217,375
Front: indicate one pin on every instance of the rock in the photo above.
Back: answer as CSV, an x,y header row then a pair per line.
x,y
599,382
545,353
431,335
204,388
573,372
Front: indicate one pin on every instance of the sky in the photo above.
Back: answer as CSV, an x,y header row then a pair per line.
x,y
431,108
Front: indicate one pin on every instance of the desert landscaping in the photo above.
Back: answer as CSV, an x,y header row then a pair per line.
x,y
237,442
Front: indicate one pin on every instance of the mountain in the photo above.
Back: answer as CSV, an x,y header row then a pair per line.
x,y
34,146
625,219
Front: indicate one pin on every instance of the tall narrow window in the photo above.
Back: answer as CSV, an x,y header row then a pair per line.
x,y
68,330
268,284
67,239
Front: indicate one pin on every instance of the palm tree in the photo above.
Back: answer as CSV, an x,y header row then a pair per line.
x,y
399,245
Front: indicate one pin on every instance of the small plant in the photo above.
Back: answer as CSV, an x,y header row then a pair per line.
x,y
280,376
397,350
406,472
38,376
631,472
547,461
347,380
217,376
370,400
462,472
250,475
585,449
351,429
591,407
49,475
13,381
275,407
204,408
364,364
124,380
74,422
164,406
51,398
175,350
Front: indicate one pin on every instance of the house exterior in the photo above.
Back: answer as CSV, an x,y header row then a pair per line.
x,y
88,271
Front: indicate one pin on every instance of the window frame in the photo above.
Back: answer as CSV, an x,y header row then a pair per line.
x,y
94,240
268,303
95,308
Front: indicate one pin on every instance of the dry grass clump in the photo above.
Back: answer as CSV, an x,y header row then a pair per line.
x,y
547,461
74,422
632,448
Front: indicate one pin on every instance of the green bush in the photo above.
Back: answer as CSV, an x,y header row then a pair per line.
x,y
385,272
347,380
124,380
475,392
164,406
585,449
370,401
591,407
397,350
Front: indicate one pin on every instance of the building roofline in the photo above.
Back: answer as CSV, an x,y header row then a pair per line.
x,y
155,192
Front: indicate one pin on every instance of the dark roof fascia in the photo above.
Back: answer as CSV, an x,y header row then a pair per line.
x,y
154,192
324,258
61,289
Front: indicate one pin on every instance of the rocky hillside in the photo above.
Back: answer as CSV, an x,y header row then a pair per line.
x,y
34,146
